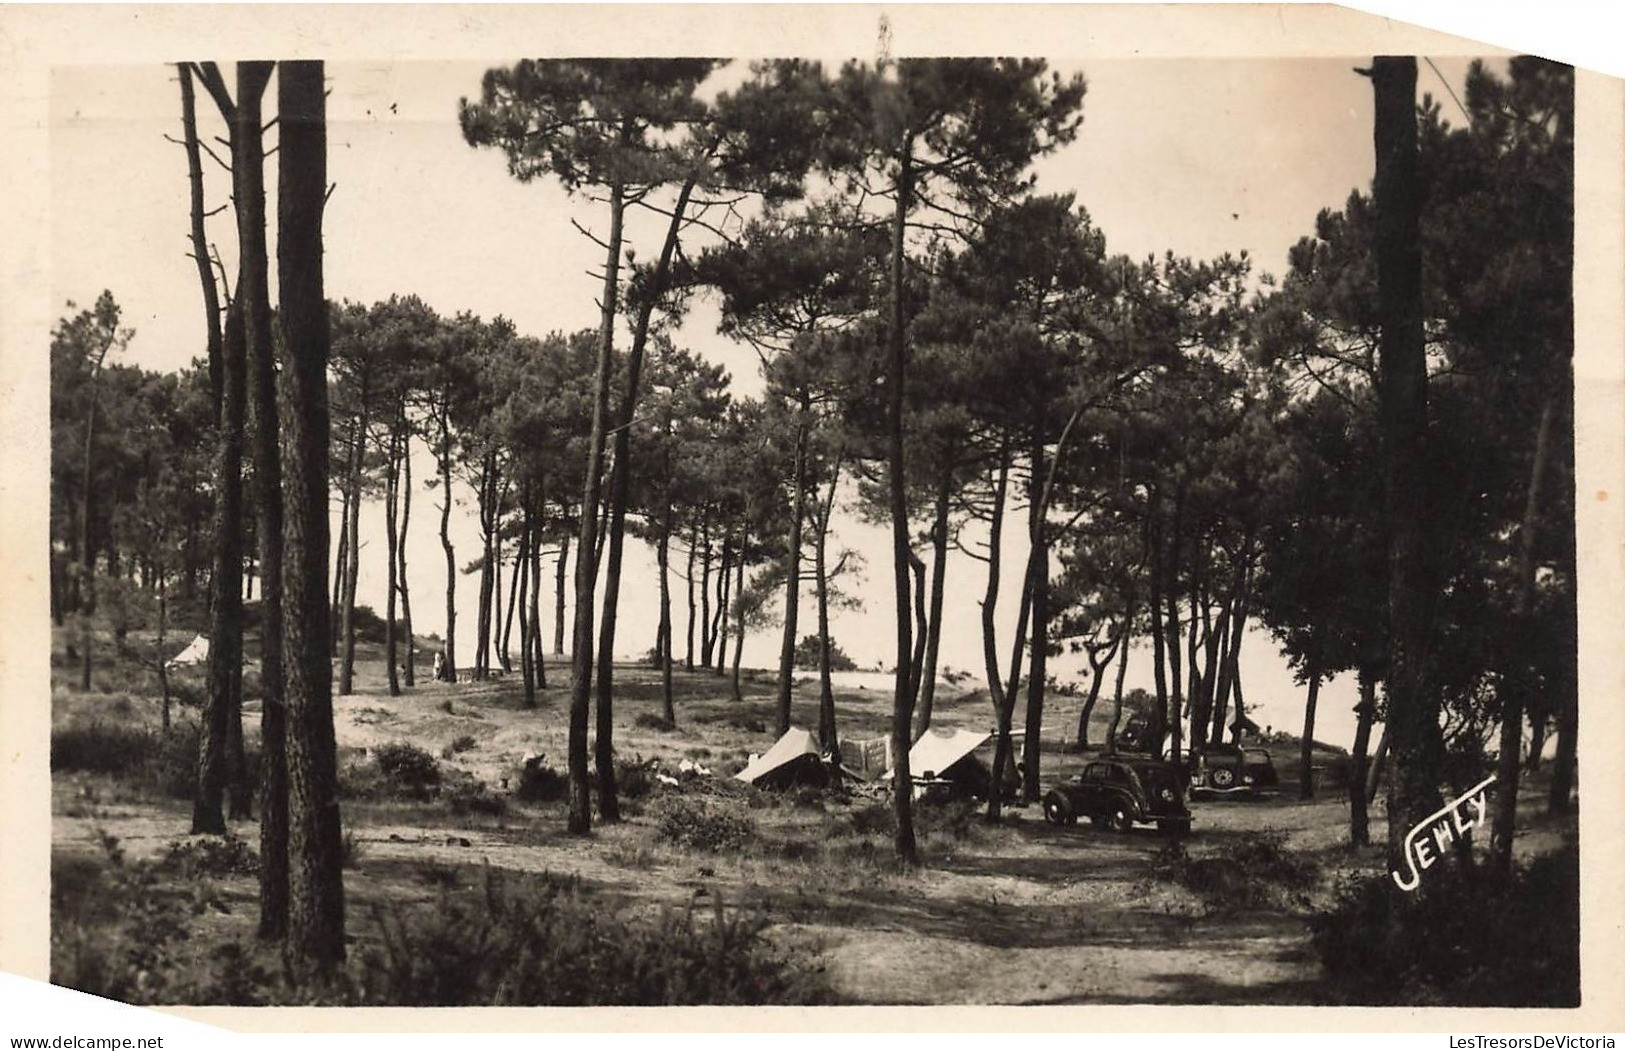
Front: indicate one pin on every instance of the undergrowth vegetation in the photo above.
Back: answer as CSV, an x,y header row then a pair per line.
x,y
1470,937
1251,871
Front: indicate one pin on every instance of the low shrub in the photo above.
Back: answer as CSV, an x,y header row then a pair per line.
x,y
634,779
469,796
1469,937
651,721
551,943
462,744
408,769
1252,871
691,823
104,748
211,857
540,783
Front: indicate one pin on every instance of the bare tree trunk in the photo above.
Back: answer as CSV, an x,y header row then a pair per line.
x,y
939,570
352,568
1415,748
527,597
581,658
739,631
446,548
1306,751
1365,711
400,574
663,635
392,489
1509,765
896,370
558,595
693,545
828,740
1122,673
316,886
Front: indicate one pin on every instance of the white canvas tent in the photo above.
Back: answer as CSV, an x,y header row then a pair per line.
x,y
196,652
933,754
791,756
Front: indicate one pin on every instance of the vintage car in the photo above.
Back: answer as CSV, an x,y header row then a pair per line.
x,y
1118,793
1227,769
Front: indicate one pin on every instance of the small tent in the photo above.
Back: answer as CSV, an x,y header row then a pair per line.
x,y
793,760
950,759
196,652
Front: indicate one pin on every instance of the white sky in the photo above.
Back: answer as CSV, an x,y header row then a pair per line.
x,y
1197,156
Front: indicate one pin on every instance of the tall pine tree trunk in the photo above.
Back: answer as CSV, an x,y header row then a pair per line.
x,y
352,567
1306,750
1365,712
558,593
445,542
316,886
392,488
581,657
933,627
410,641
1415,747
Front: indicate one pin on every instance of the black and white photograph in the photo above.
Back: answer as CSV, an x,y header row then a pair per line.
x,y
1066,507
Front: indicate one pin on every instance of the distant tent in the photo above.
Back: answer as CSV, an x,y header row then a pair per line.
x,y
195,653
793,760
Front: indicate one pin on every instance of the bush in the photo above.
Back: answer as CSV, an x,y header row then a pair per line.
x,y
553,944
1253,871
462,744
540,783
101,748
473,797
691,823
1469,937
211,857
651,721
408,769
634,779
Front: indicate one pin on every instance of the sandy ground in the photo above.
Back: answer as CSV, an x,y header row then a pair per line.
x,y
1019,913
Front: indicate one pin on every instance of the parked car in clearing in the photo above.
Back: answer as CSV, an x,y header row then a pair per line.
x,y
1120,793
1227,769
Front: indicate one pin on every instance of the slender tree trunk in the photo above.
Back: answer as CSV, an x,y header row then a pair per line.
x,y
724,579
536,655
1175,717
1379,762
1365,712
663,635
199,235
828,740
896,375
400,574
1036,511
990,644
352,569
1565,761
1306,751
1122,673
527,597
581,658
933,627
450,655
739,631
515,597
1415,748
1159,640
316,898
494,636
1514,679
558,595
392,488
341,558
1098,669
693,545
620,496
488,526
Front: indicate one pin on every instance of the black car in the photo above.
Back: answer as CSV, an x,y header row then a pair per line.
x,y
1226,769
1120,793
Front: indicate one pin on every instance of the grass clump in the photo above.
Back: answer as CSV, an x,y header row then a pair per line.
x,y
693,824
462,744
1469,937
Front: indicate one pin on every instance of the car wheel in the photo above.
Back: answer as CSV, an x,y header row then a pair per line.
x,y
1221,777
1057,811
1119,821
